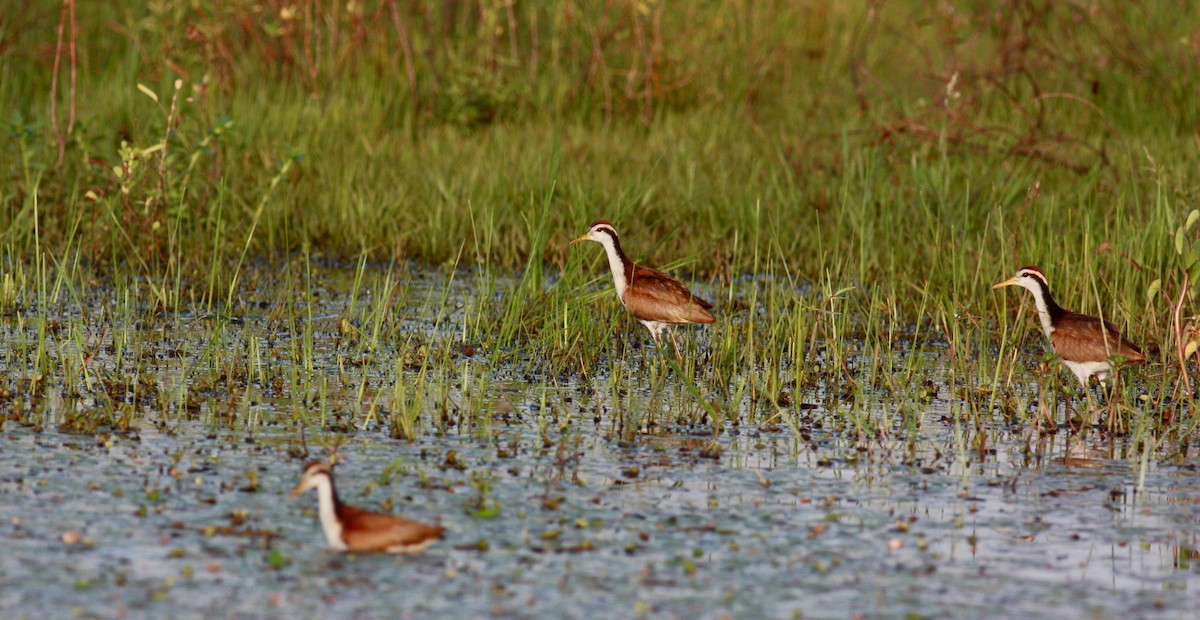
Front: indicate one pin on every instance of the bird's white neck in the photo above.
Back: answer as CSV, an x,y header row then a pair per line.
x,y
616,262
1043,308
326,509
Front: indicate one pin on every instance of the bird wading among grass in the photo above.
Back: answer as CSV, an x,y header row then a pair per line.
x,y
654,298
1087,345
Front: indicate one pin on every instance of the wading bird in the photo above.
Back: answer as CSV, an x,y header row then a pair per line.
x,y
654,298
1086,344
353,529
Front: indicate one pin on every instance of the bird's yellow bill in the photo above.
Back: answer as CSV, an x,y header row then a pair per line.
x,y
1009,282
298,491
578,239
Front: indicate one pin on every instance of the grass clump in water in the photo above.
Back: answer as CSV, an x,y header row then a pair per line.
x,y
845,180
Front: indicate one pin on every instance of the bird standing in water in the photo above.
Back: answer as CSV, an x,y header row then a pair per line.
x,y
1086,344
654,298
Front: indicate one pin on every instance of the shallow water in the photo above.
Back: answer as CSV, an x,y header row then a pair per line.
x,y
550,513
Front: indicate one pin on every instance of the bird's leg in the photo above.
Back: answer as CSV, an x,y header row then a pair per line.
x,y
674,344
1090,415
1111,400
1070,412
657,341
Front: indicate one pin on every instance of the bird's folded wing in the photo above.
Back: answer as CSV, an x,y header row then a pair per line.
x,y
655,296
1083,338
372,531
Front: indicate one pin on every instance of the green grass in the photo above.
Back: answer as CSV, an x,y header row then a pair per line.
x,y
847,180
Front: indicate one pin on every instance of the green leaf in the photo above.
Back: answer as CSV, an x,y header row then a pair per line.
x,y
488,509
1194,274
1189,256
276,559
1191,218
1152,291
1179,240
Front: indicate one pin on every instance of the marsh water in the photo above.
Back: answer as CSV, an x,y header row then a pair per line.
x,y
153,482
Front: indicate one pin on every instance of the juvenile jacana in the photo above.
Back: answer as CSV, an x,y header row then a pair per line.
x,y
654,298
353,529
1086,344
